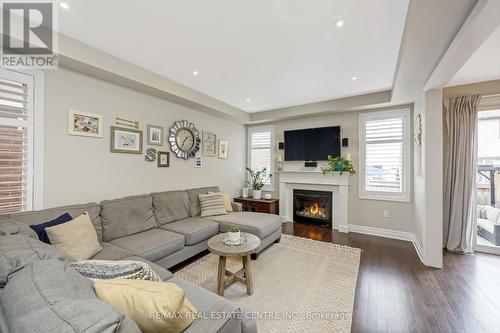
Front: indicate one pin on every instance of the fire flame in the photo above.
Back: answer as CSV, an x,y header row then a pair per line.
x,y
314,209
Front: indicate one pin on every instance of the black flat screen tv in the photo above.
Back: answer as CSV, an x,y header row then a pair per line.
x,y
312,144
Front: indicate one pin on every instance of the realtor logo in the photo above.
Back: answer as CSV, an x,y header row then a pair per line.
x,y
29,36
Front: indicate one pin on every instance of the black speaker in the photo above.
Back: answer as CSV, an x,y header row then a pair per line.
x,y
345,142
281,145
310,164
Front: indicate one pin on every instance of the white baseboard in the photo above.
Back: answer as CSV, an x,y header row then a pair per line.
x,y
343,228
418,248
387,233
394,234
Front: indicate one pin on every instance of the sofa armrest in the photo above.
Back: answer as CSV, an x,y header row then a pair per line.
x,y
237,206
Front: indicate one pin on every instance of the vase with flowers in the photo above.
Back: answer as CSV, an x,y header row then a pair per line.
x,y
257,181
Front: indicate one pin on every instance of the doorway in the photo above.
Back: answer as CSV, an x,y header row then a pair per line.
x,y
488,182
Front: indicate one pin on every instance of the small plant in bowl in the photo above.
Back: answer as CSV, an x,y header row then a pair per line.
x,y
233,233
338,164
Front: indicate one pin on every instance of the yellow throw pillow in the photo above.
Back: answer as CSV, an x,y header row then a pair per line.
x,y
77,238
227,201
155,306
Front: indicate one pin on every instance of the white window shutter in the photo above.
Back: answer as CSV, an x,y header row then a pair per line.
x,y
260,147
16,150
384,151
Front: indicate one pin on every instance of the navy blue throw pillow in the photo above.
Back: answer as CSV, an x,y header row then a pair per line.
x,y
40,228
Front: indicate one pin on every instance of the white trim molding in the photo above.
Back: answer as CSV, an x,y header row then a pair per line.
x,y
257,129
39,135
405,194
386,233
392,234
418,247
316,181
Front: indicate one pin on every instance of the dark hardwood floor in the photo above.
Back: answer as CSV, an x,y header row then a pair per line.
x,y
397,293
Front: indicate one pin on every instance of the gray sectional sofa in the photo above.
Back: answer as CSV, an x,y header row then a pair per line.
x,y
162,229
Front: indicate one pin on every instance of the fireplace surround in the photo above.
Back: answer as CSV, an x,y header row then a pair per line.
x,y
313,207
334,182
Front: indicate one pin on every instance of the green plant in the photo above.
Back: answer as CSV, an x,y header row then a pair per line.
x,y
338,164
233,229
258,179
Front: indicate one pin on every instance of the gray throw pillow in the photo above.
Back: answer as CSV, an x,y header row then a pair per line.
x,y
50,296
17,251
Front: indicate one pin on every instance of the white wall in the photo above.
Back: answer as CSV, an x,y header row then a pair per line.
x,y
80,169
361,212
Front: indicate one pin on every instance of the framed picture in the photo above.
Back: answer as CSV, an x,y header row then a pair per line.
x,y
126,140
155,135
163,159
223,149
209,144
85,124
198,162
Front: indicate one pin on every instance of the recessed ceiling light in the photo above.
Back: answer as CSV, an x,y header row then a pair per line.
x,y
354,78
64,5
339,23
195,73
248,100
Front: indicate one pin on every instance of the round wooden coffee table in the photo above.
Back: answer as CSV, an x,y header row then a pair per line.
x,y
244,251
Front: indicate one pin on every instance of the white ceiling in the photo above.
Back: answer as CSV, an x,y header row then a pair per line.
x,y
484,65
277,53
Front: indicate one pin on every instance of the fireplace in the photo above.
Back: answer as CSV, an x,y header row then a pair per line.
x,y
312,207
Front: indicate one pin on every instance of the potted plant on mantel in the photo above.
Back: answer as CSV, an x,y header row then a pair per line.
x,y
257,181
338,164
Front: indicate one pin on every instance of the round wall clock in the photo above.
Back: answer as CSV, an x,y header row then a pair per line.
x,y
184,139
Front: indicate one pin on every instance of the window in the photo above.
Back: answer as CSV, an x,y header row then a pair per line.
x,y
384,152
261,152
16,142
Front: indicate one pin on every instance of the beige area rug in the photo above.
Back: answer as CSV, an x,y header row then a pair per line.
x,y
300,285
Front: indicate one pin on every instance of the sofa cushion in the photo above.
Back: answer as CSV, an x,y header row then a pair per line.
x,y
10,227
50,296
36,217
487,225
126,216
492,213
258,224
76,237
195,229
17,251
111,252
209,303
194,201
151,244
170,206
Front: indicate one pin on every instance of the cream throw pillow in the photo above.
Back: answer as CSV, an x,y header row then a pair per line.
x,y
155,306
77,238
227,201
211,204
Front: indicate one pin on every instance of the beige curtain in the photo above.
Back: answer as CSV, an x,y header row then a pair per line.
x,y
460,168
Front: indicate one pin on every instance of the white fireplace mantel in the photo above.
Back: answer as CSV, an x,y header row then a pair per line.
x,y
316,181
